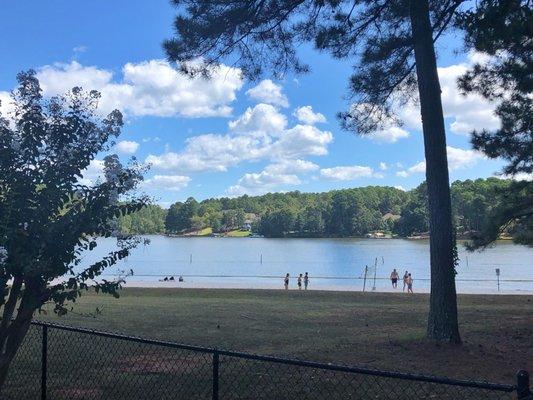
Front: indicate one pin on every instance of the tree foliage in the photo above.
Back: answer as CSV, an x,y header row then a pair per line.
x,y
502,31
147,221
356,212
48,219
264,35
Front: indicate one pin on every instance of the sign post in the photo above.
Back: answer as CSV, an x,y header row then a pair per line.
x,y
364,281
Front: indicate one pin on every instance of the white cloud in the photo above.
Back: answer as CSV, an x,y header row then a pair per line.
x,y
306,115
262,119
457,159
400,187
301,140
462,159
259,134
273,177
151,87
389,131
389,135
151,139
79,49
291,167
383,166
263,182
93,173
127,147
6,105
346,173
268,92
166,182
210,152
521,176
465,113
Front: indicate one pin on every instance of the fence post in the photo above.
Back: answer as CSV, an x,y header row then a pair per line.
x,y
44,362
215,375
522,385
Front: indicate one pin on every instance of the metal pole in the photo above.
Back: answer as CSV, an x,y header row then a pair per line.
x,y
190,259
522,385
261,258
215,375
44,362
375,270
364,281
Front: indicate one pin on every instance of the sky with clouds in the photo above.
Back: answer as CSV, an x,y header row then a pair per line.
x,y
227,136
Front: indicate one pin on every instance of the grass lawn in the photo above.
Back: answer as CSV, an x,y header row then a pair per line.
x,y
380,330
238,233
204,232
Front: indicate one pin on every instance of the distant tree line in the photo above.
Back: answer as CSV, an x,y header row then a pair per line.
x,y
337,213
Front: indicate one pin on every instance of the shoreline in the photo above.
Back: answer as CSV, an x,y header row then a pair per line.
x,y
188,284
255,236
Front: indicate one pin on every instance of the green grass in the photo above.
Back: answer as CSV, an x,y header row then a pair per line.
x,y
205,232
373,329
238,233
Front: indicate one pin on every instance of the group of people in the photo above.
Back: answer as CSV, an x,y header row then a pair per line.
x,y
167,279
407,280
301,279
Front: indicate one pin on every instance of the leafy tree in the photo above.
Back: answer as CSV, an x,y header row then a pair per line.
x,y
48,219
171,220
394,45
512,214
197,222
277,223
240,217
414,218
229,218
502,29
149,220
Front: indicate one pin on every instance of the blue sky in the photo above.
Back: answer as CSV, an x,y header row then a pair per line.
x,y
227,136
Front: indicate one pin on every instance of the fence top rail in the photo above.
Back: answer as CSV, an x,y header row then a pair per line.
x,y
287,361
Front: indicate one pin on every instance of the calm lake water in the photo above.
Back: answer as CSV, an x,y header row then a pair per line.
x,y
337,264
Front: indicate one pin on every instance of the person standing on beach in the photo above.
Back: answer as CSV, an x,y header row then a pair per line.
x,y
286,282
394,278
306,280
300,282
409,284
405,276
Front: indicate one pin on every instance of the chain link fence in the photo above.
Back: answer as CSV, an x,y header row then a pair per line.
x,y
60,362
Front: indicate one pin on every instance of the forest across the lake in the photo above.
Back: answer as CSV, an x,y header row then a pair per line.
x,y
337,213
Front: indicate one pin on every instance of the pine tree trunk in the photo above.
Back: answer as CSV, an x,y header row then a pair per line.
x,y
442,318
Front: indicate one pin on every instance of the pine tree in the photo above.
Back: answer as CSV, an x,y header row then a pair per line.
x,y
392,43
502,30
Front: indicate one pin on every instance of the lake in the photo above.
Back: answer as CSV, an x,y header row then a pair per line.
x,y
333,264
